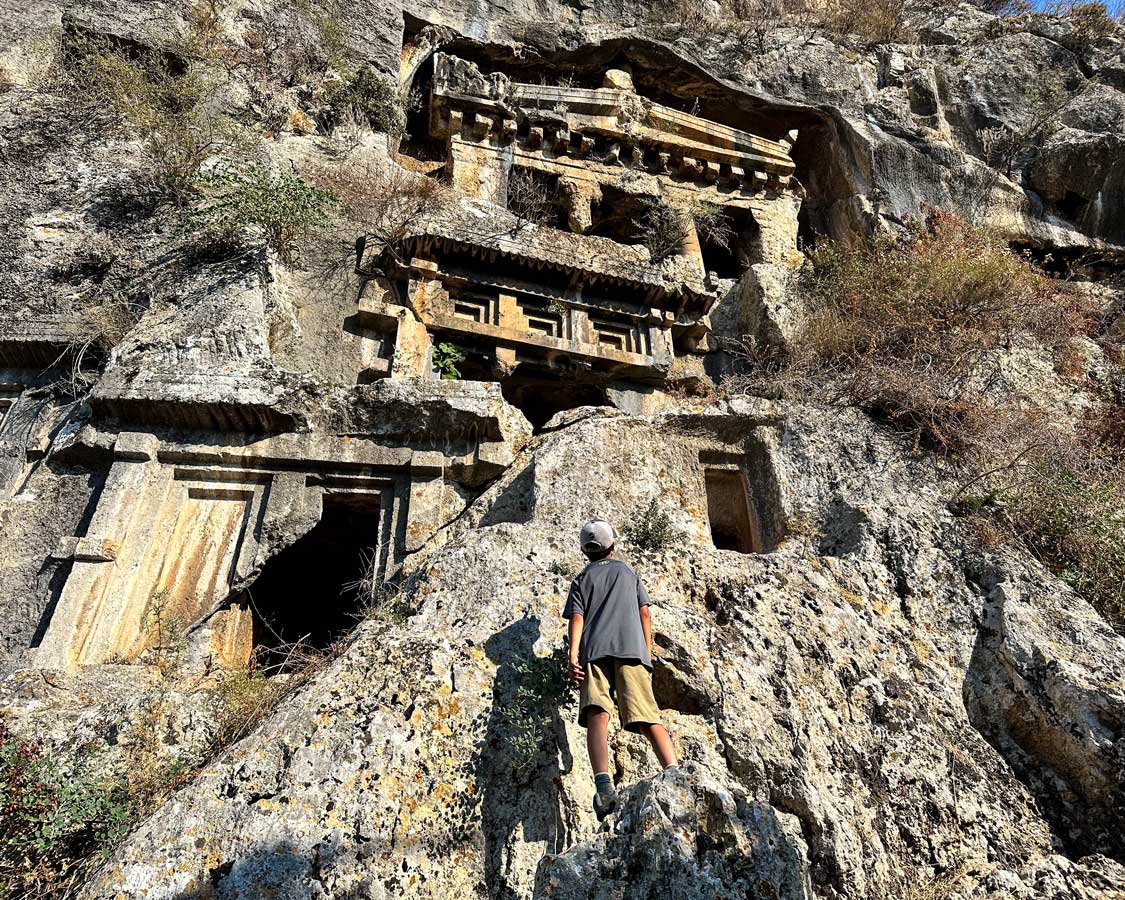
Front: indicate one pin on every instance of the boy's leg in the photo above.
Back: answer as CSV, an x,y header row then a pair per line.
x,y
595,700
639,711
661,744
597,739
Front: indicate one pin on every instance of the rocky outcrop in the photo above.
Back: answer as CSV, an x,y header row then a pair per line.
x,y
684,835
868,703
830,694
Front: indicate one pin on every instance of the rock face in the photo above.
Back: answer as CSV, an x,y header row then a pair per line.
x,y
849,725
211,455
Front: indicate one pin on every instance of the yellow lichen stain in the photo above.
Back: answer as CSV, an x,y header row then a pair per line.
x,y
443,792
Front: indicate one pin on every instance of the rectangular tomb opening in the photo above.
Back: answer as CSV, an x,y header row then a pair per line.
x,y
729,512
316,590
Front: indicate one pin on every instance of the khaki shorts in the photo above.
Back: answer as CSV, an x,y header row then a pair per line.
x,y
629,683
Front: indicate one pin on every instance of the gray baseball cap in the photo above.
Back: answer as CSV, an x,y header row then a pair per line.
x,y
598,535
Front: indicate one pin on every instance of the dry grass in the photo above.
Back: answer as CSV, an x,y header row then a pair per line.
x,y
377,208
912,330
909,328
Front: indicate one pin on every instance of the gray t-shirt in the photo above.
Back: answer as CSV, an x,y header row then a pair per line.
x,y
608,595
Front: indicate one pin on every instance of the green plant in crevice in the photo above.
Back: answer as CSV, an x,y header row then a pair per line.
x,y
165,632
446,358
540,688
53,823
652,530
286,208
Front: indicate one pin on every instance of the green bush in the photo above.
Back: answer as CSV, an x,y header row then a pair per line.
x,y
446,356
540,687
652,530
52,823
286,208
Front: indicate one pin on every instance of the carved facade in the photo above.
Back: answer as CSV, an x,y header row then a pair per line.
x,y
582,294
215,465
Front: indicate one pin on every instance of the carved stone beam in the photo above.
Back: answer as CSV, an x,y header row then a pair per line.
x,y
585,146
507,130
636,156
562,139
691,168
710,170
535,137
456,122
479,126
663,161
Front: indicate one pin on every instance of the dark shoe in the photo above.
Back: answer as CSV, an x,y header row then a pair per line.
x,y
605,802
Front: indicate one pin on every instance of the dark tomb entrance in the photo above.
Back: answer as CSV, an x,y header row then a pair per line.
x,y
540,398
313,592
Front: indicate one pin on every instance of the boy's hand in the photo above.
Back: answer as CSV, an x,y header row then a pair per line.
x,y
577,673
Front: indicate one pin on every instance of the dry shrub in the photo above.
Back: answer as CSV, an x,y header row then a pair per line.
x,y
909,327
912,329
531,199
875,21
1069,510
665,228
381,205
737,20
1091,24
166,100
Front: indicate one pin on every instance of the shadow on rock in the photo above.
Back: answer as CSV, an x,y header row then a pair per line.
x,y
521,763
1054,724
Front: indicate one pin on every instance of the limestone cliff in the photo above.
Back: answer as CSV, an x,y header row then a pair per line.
x,y
207,445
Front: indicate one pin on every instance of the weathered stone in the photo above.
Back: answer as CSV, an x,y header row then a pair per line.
x,y
821,680
682,834
868,704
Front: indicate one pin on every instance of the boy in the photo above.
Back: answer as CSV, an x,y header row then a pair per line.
x,y
610,656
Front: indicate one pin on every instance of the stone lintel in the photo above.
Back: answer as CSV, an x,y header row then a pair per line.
x,y
43,340
510,337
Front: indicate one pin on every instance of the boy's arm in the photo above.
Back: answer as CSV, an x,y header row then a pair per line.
x,y
576,672
643,603
646,627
